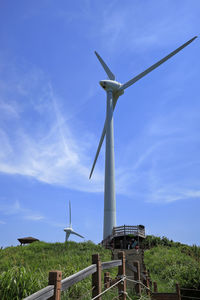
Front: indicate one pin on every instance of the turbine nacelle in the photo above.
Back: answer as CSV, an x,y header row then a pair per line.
x,y
67,229
111,85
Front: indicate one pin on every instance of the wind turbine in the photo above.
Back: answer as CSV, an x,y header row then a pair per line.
x,y
114,89
69,229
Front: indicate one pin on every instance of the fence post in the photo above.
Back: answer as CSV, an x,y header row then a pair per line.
x,y
178,291
121,273
137,277
149,277
96,277
146,282
55,278
155,287
106,280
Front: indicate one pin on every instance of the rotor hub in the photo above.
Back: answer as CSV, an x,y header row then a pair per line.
x,y
110,85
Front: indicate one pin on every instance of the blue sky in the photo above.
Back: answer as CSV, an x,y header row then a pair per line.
x,y
52,110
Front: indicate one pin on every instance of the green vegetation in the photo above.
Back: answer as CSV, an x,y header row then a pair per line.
x,y
24,270
153,241
170,262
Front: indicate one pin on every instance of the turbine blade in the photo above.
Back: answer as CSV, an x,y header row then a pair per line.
x,y
67,218
75,233
98,149
67,236
70,217
115,98
136,78
107,70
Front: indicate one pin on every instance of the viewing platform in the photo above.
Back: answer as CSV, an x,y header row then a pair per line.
x,y
125,237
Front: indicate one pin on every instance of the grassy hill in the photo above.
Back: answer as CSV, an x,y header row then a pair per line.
x,y
24,270
170,262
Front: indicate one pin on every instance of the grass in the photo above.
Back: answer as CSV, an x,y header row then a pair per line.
x,y
169,265
24,270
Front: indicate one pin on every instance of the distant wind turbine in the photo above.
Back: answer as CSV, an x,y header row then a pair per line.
x,y
115,89
69,229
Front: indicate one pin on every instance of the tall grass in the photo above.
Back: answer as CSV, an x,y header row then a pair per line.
x,y
169,265
24,269
18,282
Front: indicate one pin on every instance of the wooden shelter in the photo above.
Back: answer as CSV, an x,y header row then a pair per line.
x,y
27,240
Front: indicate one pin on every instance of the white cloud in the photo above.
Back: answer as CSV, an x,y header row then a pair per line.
x,y
121,26
34,217
169,194
165,164
40,142
10,209
8,109
16,208
47,148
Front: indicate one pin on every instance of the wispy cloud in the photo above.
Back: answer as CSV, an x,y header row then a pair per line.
x,y
121,26
34,217
8,109
169,193
10,209
37,139
16,208
165,165
43,144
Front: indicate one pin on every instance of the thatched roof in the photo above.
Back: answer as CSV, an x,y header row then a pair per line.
x,y
27,240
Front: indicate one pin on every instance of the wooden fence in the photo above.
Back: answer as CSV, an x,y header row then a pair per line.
x,y
137,231
188,294
166,296
139,280
127,229
180,294
57,285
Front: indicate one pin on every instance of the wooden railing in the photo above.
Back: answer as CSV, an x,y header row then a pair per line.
x,y
56,284
137,231
180,294
126,230
166,296
188,294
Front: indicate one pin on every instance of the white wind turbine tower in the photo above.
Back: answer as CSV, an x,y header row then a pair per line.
x,y
115,89
69,229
